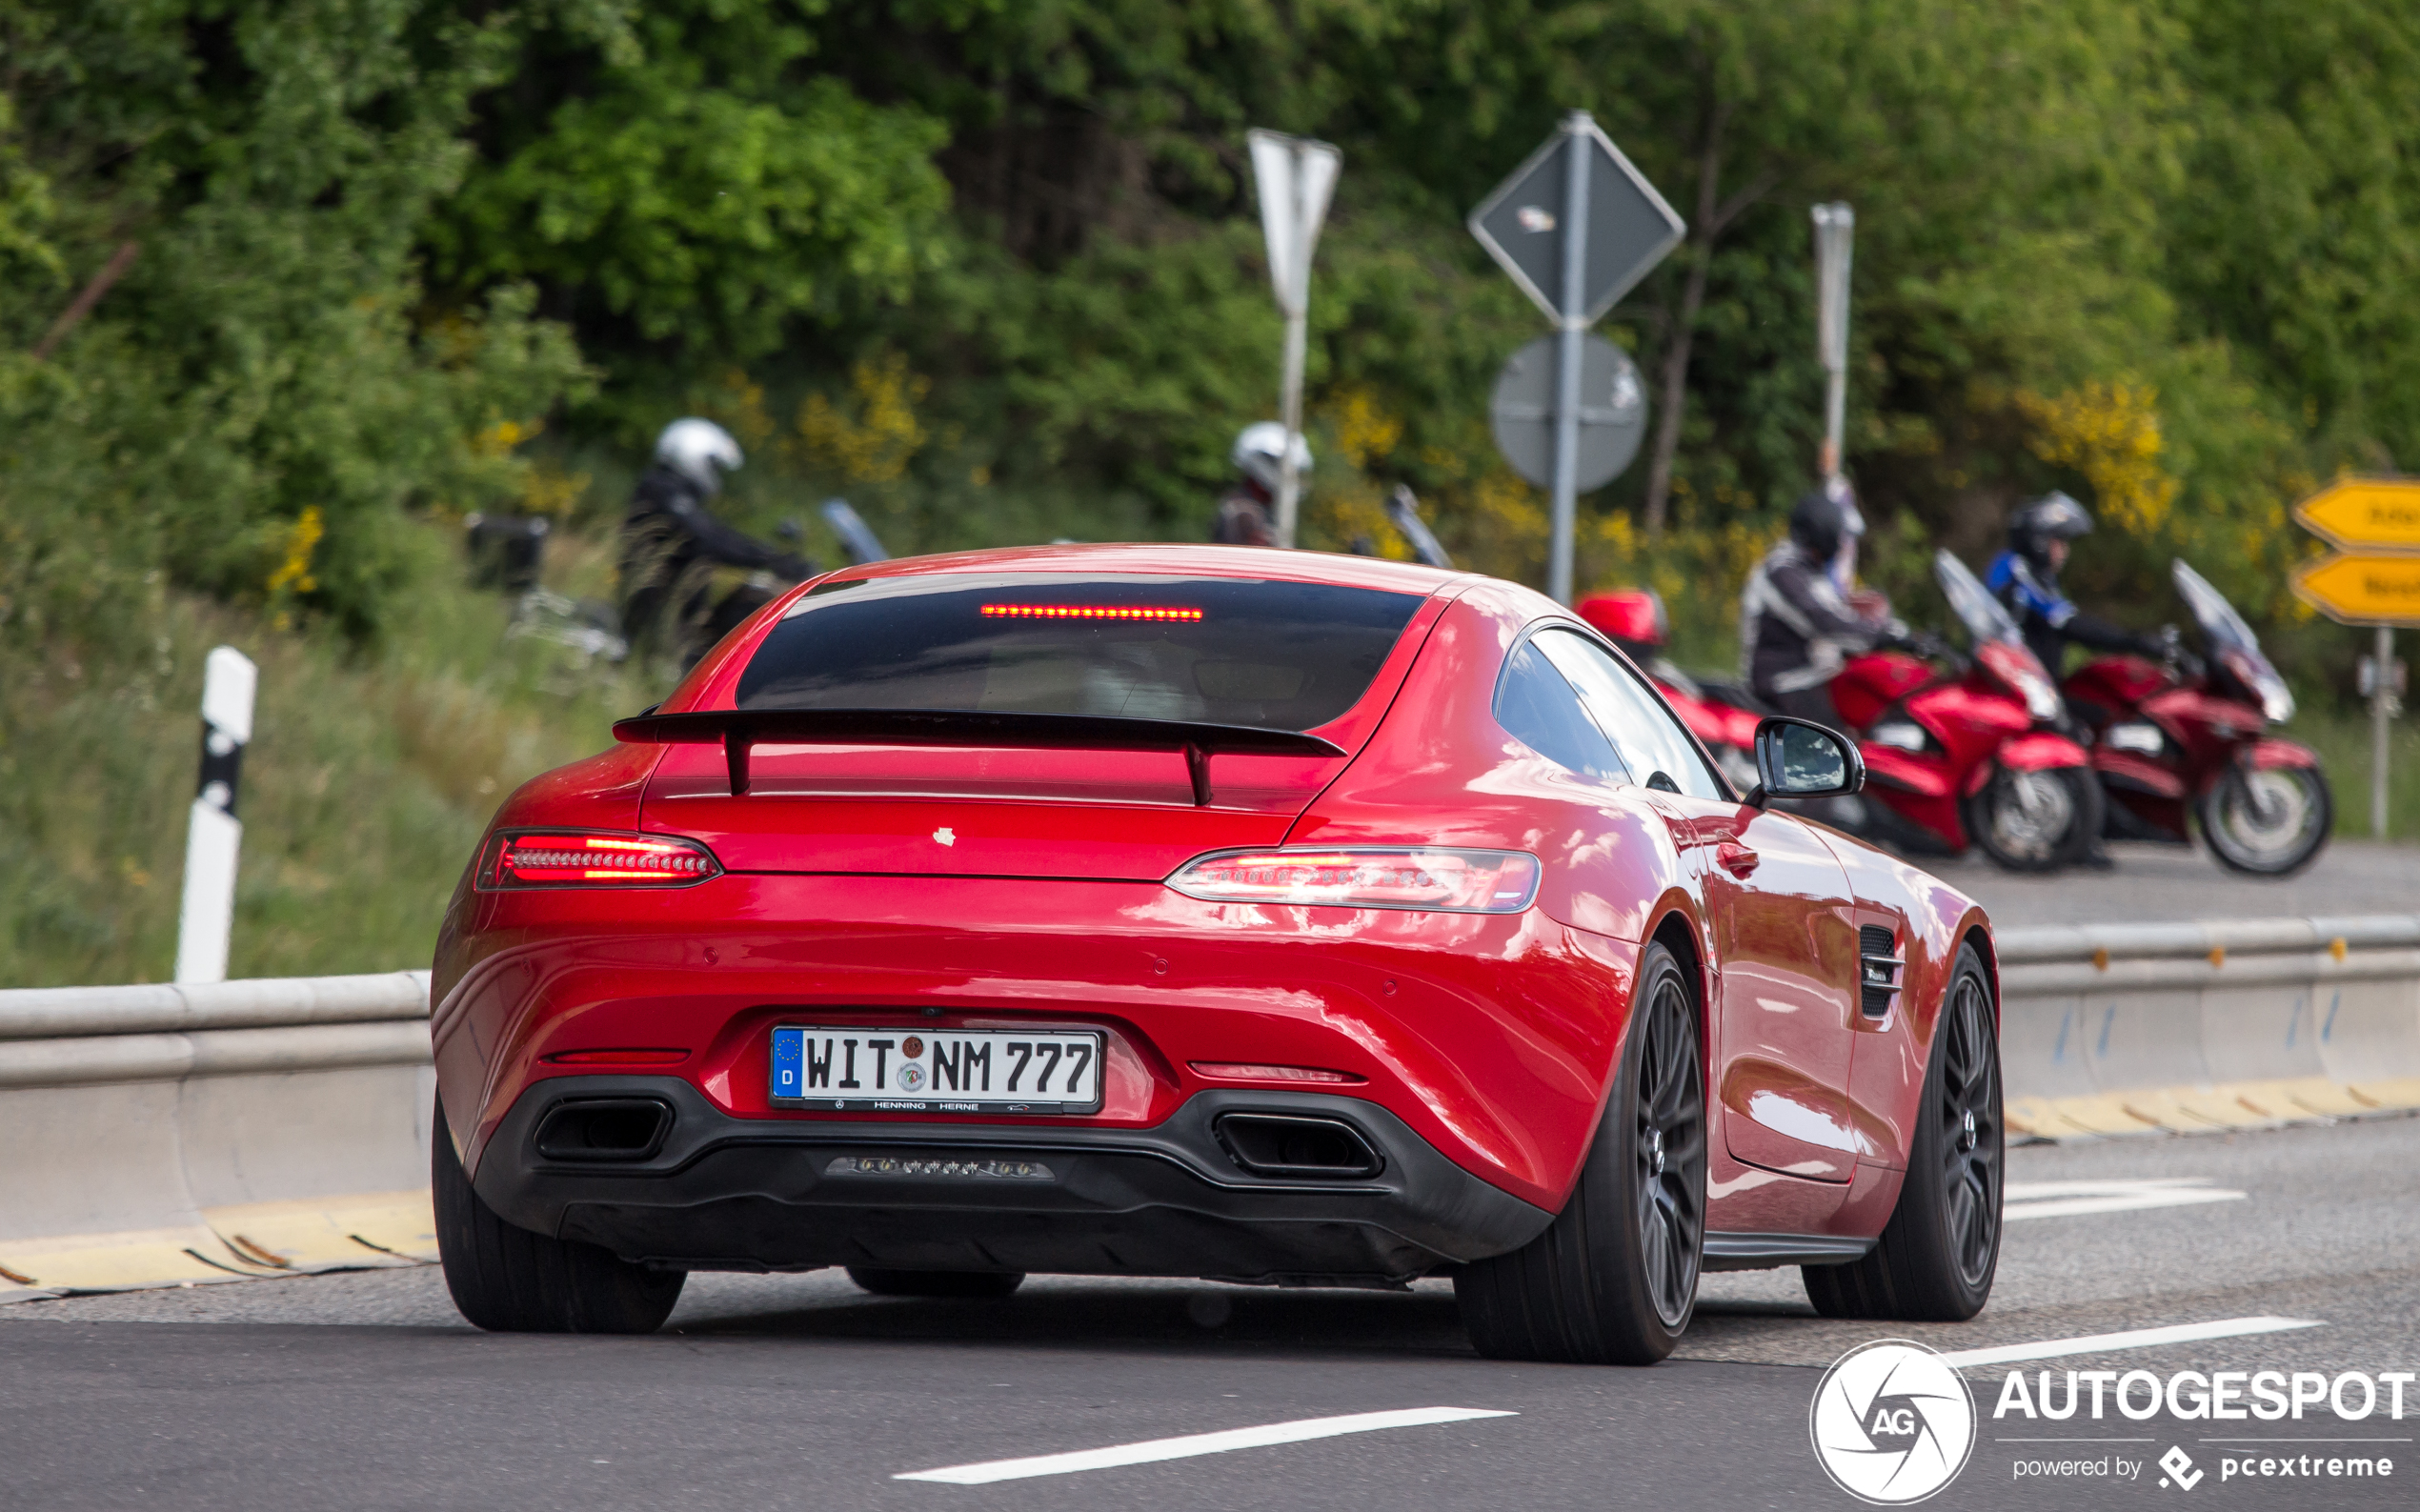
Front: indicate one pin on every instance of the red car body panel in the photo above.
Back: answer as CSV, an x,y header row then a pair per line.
x,y
973,888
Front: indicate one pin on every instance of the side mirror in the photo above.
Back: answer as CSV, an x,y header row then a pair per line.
x,y
1798,758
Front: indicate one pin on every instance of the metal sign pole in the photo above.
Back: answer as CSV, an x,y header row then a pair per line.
x,y
2382,696
1572,329
1295,176
1835,227
1576,233
1297,324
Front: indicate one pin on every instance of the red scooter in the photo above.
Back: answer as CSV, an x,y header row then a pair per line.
x,y
2191,737
1633,618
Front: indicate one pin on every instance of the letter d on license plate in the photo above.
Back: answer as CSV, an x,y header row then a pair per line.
x,y
853,1069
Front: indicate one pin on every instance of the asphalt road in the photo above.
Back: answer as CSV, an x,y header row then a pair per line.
x,y
2169,882
366,1390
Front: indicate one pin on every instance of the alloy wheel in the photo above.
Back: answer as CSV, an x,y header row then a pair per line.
x,y
1973,1139
1669,1150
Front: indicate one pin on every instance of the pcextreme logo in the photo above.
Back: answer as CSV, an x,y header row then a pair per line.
x,y
2179,1467
1892,1422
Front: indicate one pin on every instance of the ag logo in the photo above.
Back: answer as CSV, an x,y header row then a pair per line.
x,y
1892,1422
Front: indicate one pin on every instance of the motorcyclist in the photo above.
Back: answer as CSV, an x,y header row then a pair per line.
x,y
1796,625
1247,512
671,542
2025,578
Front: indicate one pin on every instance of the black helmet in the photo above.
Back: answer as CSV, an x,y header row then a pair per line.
x,y
1825,517
2052,517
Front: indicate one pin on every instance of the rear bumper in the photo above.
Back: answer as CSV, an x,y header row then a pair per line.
x,y
1492,1037
727,1192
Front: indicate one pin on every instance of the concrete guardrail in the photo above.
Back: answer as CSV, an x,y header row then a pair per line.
x,y
167,1134
2243,1023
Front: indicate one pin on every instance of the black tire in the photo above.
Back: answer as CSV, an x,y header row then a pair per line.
x,y
937,1284
1613,1280
506,1278
1937,1255
2035,821
2269,822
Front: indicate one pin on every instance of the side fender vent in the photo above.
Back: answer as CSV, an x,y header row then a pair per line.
x,y
1877,970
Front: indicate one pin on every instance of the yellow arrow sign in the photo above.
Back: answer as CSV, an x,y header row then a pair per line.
x,y
2371,513
2362,588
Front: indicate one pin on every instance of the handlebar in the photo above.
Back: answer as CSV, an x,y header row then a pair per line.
x,y
1932,648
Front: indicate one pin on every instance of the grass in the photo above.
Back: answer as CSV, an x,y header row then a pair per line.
x,y
2341,739
368,780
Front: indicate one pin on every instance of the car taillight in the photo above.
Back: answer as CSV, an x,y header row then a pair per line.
x,y
1410,877
527,859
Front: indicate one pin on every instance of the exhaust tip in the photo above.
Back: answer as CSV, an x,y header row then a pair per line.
x,y
1296,1147
597,1130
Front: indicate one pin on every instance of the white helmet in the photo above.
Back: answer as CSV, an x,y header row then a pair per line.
x,y
700,450
1258,451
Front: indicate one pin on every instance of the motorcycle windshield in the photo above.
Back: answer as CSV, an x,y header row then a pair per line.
x,y
2232,643
1983,615
2218,619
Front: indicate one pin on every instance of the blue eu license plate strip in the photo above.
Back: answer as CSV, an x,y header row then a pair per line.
x,y
876,1069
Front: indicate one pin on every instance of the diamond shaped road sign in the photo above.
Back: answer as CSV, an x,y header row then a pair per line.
x,y
1630,228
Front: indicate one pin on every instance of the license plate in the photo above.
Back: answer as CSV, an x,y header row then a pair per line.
x,y
894,1070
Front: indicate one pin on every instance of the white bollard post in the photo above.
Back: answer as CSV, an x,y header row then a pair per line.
x,y
214,835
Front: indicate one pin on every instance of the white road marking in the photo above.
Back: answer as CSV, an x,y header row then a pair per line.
x,y
2074,1199
2132,1339
1194,1444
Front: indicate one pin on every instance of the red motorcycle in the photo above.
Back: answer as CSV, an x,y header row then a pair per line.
x,y
2191,737
1972,757
1633,618
1976,756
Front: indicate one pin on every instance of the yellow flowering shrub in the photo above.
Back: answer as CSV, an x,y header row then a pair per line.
x,y
876,443
293,578
2110,433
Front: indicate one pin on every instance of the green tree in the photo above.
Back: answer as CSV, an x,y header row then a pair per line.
x,y
265,371
684,180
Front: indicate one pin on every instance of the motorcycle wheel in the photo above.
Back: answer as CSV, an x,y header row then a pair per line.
x,y
2035,821
2271,822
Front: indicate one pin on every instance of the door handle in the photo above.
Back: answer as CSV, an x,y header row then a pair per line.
x,y
1735,858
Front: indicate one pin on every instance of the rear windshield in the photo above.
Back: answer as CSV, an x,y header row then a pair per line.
x,y
1225,651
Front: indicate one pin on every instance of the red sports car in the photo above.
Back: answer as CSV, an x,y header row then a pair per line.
x,y
1204,912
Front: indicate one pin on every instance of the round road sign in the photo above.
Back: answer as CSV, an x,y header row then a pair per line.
x,y
1613,412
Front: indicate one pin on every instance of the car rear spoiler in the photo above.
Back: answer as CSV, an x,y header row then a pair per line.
x,y
739,730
